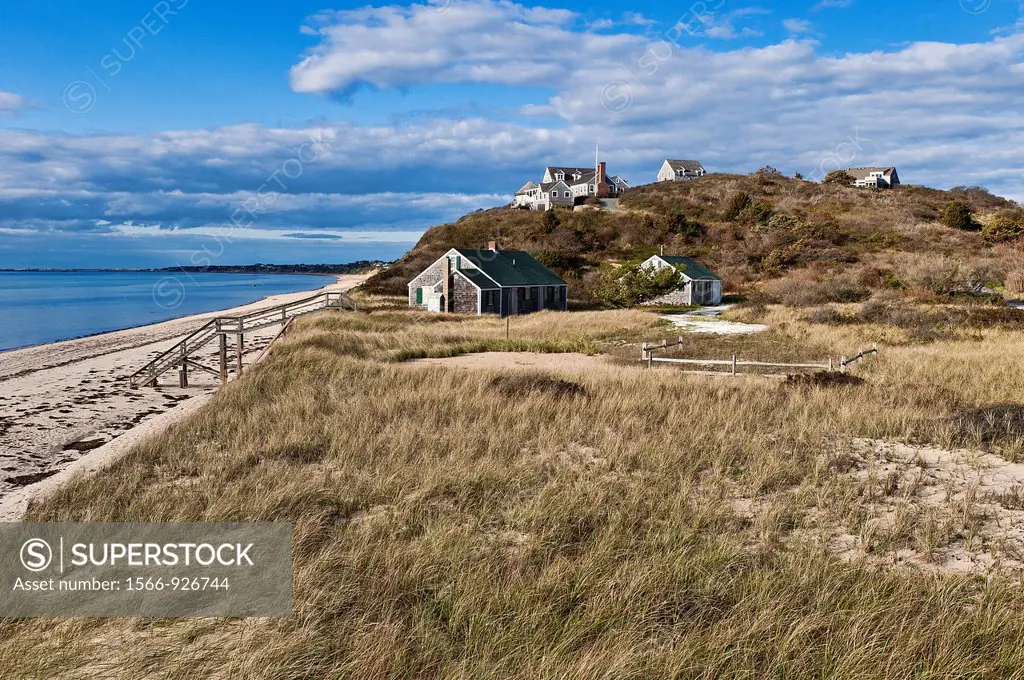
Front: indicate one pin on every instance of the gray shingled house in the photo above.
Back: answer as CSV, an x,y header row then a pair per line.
x,y
680,170
700,286
491,281
565,187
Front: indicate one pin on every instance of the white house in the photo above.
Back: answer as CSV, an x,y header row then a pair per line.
x,y
563,187
875,178
700,285
678,171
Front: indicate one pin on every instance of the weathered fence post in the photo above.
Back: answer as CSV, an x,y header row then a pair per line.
x,y
734,364
241,343
223,356
830,366
842,364
183,373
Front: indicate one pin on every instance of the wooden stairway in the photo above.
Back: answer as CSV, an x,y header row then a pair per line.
x,y
181,354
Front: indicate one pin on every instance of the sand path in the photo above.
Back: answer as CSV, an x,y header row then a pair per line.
x,y
60,401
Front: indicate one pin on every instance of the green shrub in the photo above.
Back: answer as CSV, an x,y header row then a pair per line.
x,y
1002,228
550,220
781,222
676,222
631,284
957,215
756,212
739,201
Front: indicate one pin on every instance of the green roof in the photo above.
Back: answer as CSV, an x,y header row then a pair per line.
x,y
690,267
478,279
511,267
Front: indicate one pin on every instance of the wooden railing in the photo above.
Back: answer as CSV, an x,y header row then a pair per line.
x,y
844,362
181,353
647,355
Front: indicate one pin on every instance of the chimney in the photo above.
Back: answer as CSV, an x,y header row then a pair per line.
x,y
601,181
492,245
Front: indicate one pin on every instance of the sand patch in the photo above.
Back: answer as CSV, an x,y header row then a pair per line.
x,y
708,320
890,505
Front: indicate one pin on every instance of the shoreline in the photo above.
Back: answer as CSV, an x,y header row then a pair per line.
x,y
310,292
61,401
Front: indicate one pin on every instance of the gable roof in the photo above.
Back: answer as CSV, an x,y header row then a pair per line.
x,y
548,186
552,169
690,267
688,166
585,178
865,173
511,267
526,187
478,279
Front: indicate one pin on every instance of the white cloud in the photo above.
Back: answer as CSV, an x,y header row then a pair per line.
x,y
797,25
474,41
829,4
723,26
10,102
636,19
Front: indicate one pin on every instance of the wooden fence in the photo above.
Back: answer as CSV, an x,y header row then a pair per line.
x,y
735,363
181,354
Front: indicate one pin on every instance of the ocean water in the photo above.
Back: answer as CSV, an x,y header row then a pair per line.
x,y
41,307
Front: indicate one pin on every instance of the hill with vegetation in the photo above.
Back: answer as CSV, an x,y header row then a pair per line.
x,y
792,240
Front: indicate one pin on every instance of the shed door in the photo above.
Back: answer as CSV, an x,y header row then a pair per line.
x,y
419,296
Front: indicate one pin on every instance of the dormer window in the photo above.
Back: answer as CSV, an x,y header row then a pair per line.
x,y
559,176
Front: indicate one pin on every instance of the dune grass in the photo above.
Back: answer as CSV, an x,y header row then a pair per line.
x,y
451,524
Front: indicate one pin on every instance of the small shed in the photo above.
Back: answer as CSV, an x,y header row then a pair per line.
x,y
700,286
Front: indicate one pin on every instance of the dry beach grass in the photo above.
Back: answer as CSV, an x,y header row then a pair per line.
x,y
602,524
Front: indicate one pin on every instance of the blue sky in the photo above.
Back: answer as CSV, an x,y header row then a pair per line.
x,y
191,131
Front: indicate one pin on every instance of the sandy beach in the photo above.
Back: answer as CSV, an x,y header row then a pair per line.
x,y
59,402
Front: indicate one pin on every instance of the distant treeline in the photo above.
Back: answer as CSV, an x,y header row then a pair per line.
x,y
259,268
